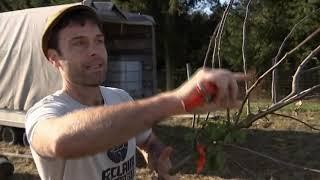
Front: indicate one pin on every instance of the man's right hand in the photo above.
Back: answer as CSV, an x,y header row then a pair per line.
x,y
218,84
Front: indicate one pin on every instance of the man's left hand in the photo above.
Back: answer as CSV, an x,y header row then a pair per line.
x,y
162,164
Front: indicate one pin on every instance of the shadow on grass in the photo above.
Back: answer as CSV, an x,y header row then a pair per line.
x,y
301,148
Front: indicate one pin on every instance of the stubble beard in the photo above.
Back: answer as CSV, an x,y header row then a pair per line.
x,y
88,79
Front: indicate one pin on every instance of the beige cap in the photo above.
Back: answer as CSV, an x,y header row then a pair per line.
x,y
54,20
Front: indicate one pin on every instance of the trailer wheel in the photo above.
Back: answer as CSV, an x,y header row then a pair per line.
x,y
9,135
6,167
25,139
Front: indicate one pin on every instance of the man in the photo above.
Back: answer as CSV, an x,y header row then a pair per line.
x,y
85,131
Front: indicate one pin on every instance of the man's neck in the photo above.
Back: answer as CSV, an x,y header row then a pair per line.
x,y
87,95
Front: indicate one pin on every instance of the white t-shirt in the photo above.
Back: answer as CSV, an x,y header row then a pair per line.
x,y
114,164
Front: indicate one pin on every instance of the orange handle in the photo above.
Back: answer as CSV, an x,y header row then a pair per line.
x,y
204,93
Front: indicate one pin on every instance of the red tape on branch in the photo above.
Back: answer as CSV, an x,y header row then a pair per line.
x,y
204,93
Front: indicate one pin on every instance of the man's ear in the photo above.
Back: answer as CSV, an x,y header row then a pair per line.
x,y
53,57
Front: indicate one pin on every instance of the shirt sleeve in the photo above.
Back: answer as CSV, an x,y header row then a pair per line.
x,y
43,110
142,137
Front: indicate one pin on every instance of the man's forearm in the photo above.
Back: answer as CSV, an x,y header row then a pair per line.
x,y
98,128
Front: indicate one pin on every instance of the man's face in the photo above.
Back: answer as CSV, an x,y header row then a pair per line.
x,y
83,56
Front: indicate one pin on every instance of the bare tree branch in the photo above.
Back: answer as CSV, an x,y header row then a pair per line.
x,y
311,70
217,41
244,44
312,97
210,46
296,119
296,76
274,159
252,118
221,31
215,45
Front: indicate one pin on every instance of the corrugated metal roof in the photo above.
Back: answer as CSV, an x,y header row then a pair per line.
x,y
109,12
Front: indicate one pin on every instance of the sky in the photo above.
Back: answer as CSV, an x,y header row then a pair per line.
x,y
207,9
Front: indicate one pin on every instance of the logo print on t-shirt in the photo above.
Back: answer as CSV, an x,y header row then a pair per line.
x,y
118,154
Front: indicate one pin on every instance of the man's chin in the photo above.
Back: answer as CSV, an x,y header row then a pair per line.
x,y
93,84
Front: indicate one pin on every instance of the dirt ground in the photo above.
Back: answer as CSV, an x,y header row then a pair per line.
x,y
286,140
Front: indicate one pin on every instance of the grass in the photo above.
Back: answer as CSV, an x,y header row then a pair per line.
x,y
307,106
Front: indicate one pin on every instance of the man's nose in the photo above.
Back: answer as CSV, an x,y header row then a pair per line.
x,y
93,50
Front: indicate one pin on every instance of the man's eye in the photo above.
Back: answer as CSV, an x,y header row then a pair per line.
x,y
100,41
79,43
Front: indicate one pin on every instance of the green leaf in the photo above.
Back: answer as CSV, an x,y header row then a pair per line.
x,y
228,139
220,160
240,136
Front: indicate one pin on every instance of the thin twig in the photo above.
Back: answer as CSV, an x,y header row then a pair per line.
x,y
220,29
311,70
274,159
215,45
194,121
228,116
210,46
296,119
267,118
207,117
244,44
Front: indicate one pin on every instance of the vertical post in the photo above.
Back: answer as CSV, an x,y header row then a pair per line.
x,y
274,83
188,66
